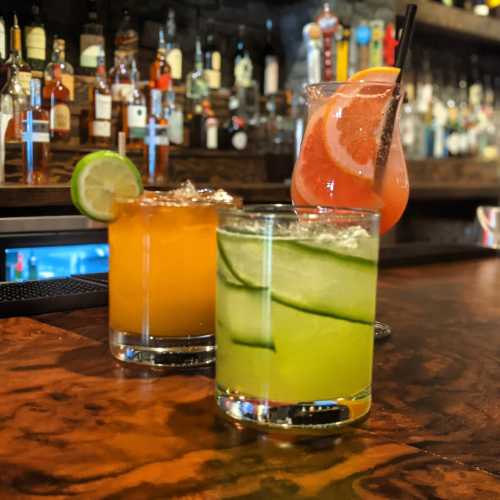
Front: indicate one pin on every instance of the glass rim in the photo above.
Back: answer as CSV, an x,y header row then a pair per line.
x,y
336,83
160,198
287,211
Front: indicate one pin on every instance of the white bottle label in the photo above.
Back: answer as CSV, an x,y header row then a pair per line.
x,y
101,128
60,118
102,107
35,43
212,133
243,69
159,134
424,97
24,78
69,82
239,140
213,78
90,47
121,92
271,75
39,133
136,115
176,127
3,41
174,58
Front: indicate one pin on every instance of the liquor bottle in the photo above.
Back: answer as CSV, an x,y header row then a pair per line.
x,y
363,38
476,85
35,39
64,68
14,102
91,40
175,117
271,63
312,38
196,85
174,53
36,140
156,143
210,127
135,113
160,72
15,60
342,37
126,38
237,136
377,43
56,98
440,117
243,66
212,59
494,6
100,107
119,79
3,40
328,23
353,53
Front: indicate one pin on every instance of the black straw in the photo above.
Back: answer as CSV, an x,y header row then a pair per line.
x,y
406,38
390,115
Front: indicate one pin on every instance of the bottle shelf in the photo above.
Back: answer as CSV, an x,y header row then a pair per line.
x,y
454,20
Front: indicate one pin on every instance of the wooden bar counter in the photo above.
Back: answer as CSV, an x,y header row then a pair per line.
x,y
76,424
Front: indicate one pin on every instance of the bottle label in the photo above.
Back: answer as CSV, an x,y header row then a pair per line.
x,y
69,82
174,58
216,61
313,65
35,43
243,70
24,78
90,47
475,94
271,75
101,128
121,92
212,133
136,116
60,118
102,107
3,41
424,97
213,78
176,127
39,132
239,140
159,133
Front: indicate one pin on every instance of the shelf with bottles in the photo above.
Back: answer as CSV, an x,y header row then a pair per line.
x,y
461,22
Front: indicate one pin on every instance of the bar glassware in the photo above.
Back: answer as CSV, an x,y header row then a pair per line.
x,y
295,311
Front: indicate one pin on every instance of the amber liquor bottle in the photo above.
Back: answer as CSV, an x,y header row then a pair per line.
x,y
156,144
100,107
56,100
36,140
160,72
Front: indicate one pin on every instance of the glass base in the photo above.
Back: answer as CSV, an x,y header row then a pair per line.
x,y
307,418
185,352
382,330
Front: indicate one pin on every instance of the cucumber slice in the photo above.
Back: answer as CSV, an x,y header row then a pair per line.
x,y
245,313
307,277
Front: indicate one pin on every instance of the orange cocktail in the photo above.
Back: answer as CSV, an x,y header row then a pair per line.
x,y
162,280
338,157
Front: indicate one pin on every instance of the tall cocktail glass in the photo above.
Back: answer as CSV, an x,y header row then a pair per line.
x,y
295,308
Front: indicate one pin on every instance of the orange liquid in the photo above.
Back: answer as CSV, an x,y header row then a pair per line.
x,y
318,179
162,269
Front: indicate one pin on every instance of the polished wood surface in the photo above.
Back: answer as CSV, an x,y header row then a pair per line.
x,y
75,423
